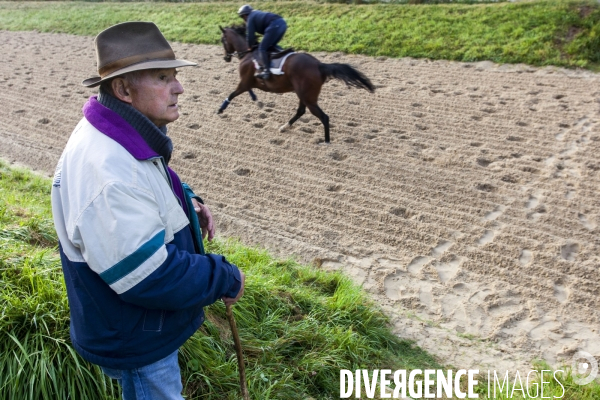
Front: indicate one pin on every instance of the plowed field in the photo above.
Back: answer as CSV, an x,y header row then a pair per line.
x,y
463,197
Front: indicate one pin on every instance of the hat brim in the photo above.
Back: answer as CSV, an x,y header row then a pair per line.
x,y
154,64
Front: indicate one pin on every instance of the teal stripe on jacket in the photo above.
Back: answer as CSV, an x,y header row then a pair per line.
x,y
134,260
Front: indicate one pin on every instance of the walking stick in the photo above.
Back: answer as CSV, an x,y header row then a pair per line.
x,y
238,351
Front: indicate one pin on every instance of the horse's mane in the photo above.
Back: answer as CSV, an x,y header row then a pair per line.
x,y
239,29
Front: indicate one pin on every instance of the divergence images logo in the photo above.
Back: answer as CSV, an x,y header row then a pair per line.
x,y
584,367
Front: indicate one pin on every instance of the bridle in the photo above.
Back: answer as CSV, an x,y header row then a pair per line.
x,y
238,54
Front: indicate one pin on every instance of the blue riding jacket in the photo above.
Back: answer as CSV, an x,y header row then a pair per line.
x,y
258,22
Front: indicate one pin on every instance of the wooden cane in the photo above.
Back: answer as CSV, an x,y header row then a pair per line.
x,y
238,351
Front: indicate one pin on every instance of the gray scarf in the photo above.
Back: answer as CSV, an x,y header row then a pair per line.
x,y
156,137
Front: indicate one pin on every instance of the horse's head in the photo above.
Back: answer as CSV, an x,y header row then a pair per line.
x,y
227,45
234,43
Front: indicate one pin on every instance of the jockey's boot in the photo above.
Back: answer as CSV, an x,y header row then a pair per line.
x,y
264,74
263,61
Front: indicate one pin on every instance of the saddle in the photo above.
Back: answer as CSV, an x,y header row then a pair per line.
x,y
277,57
278,52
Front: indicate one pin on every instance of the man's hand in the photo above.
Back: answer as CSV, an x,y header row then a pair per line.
x,y
205,218
231,301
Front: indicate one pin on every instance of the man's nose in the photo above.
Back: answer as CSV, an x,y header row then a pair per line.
x,y
178,87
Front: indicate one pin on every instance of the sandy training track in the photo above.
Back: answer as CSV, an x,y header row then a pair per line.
x,y
463,197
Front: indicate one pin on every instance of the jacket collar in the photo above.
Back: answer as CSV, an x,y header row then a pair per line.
x,y
115,127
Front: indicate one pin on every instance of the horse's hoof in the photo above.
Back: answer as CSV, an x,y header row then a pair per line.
x,y
220,112
284,128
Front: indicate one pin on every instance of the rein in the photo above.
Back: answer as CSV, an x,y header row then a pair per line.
x,y
239,54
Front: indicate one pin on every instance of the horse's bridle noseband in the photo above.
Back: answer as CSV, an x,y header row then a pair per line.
x,y
238,54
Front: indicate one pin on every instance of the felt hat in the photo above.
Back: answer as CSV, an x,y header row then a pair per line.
x,y
132,46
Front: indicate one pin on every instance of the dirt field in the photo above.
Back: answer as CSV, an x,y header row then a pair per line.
x,y
463,197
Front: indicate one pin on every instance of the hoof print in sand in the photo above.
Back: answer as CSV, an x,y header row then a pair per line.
x,y
493,215
588,224
531,170
486,187
569,251
510,179
337,156
448,270
525,257
537,212
188,155
277,142
417,264
561,292
402,212
441,248
242,171
484,162
486,238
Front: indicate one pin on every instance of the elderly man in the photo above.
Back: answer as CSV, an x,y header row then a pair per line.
x,y
130,231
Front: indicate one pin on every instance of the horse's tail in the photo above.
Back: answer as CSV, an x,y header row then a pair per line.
x,y
346,73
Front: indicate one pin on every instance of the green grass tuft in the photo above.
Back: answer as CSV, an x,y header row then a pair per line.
x,y
36,358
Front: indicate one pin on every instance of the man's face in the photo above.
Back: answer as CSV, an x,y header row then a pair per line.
x,y
154,93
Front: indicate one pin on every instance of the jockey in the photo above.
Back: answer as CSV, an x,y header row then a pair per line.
x,y
271,26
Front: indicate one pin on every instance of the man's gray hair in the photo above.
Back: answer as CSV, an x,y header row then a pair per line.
x,y
131,77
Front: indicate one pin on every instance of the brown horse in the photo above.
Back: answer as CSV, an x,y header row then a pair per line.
x,y
303,75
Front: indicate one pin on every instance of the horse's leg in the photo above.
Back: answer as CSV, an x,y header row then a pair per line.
x,y
259,103
300,112
317,112
227,101
240,89
307,81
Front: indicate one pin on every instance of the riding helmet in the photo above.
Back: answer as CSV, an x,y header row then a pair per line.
x,y
244,10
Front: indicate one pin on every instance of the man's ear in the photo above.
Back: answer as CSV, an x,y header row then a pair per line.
x,y
121,90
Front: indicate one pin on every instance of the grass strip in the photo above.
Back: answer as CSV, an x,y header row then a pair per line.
x,y
545,32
